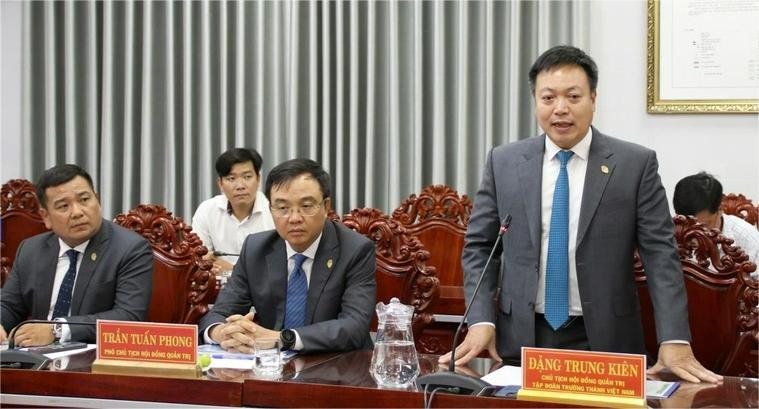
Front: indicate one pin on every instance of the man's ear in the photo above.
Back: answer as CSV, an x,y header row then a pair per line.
x,y
218,183
45,217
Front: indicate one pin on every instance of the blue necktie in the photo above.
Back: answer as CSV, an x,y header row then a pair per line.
x,y
297,291
63,303
557,266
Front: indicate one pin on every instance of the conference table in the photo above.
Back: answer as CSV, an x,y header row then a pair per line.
x,y
323,380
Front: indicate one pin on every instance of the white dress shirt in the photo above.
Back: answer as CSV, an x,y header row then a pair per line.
x,y
219,229
576,167
744,235
60,272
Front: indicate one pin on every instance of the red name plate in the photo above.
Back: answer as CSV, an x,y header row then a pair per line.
x,y
593,373
147,341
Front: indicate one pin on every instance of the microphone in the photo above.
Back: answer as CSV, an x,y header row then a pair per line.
x,y
222,254
15,358
451,381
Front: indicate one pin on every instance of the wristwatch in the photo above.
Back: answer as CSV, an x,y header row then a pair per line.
x,y
57,331
287,336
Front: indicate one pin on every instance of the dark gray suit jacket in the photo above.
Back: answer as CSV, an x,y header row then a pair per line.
x,y
620,209
115,284
341,292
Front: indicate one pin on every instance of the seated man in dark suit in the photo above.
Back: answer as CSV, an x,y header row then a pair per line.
x,y
85,269
311,282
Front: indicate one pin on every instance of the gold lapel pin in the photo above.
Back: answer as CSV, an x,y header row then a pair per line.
x,y
329,263
604,169
93,256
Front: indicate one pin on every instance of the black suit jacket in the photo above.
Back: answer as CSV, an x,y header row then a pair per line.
x,y
114,280
341,291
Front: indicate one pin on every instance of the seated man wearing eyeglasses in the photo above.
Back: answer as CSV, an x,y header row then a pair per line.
x,y
310,283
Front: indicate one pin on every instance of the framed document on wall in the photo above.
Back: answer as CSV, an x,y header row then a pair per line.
x,y
703,56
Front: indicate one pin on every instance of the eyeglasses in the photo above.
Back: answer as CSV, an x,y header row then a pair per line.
x,y
305,210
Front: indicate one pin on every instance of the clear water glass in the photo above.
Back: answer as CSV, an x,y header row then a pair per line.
x,y
268,361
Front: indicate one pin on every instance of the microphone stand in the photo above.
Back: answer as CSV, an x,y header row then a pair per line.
x,y
450,381
16,358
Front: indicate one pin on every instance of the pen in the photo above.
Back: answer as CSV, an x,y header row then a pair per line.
x,y
233,356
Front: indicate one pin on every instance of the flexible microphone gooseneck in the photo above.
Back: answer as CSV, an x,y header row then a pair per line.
x,y
15,358
451,381
222,254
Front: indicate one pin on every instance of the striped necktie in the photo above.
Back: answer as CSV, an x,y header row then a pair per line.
x,y
297,292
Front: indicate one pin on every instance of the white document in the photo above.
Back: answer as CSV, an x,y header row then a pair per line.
x,y
70,352
235,360
660,390
237,363
505,375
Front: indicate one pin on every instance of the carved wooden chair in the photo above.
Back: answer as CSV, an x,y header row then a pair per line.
x,y
5,266
332,215
19,219
741,206
438,216
183,284
722,300
401,267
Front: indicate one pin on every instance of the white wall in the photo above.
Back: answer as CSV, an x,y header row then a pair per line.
x,y
10,91
725,145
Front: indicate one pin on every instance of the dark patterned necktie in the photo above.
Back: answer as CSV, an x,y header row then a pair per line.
x,y
63,303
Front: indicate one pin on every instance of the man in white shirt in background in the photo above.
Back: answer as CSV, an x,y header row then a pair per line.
x,y
700,195
224,221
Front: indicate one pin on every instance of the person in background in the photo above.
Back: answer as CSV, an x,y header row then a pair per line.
x,y
310,283
224,221
700,195
85,269
580,202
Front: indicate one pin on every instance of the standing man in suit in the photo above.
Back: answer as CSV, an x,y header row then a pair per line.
x,y
581,201
311,282
85,269
224,221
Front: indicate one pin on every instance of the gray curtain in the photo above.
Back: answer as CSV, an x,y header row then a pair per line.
x,y
388,96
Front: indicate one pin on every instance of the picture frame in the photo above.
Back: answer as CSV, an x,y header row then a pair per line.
x,y
700,59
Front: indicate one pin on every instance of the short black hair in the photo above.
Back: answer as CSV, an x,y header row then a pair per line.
x,y
232,157
696,193
287,171
560,56
58,175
